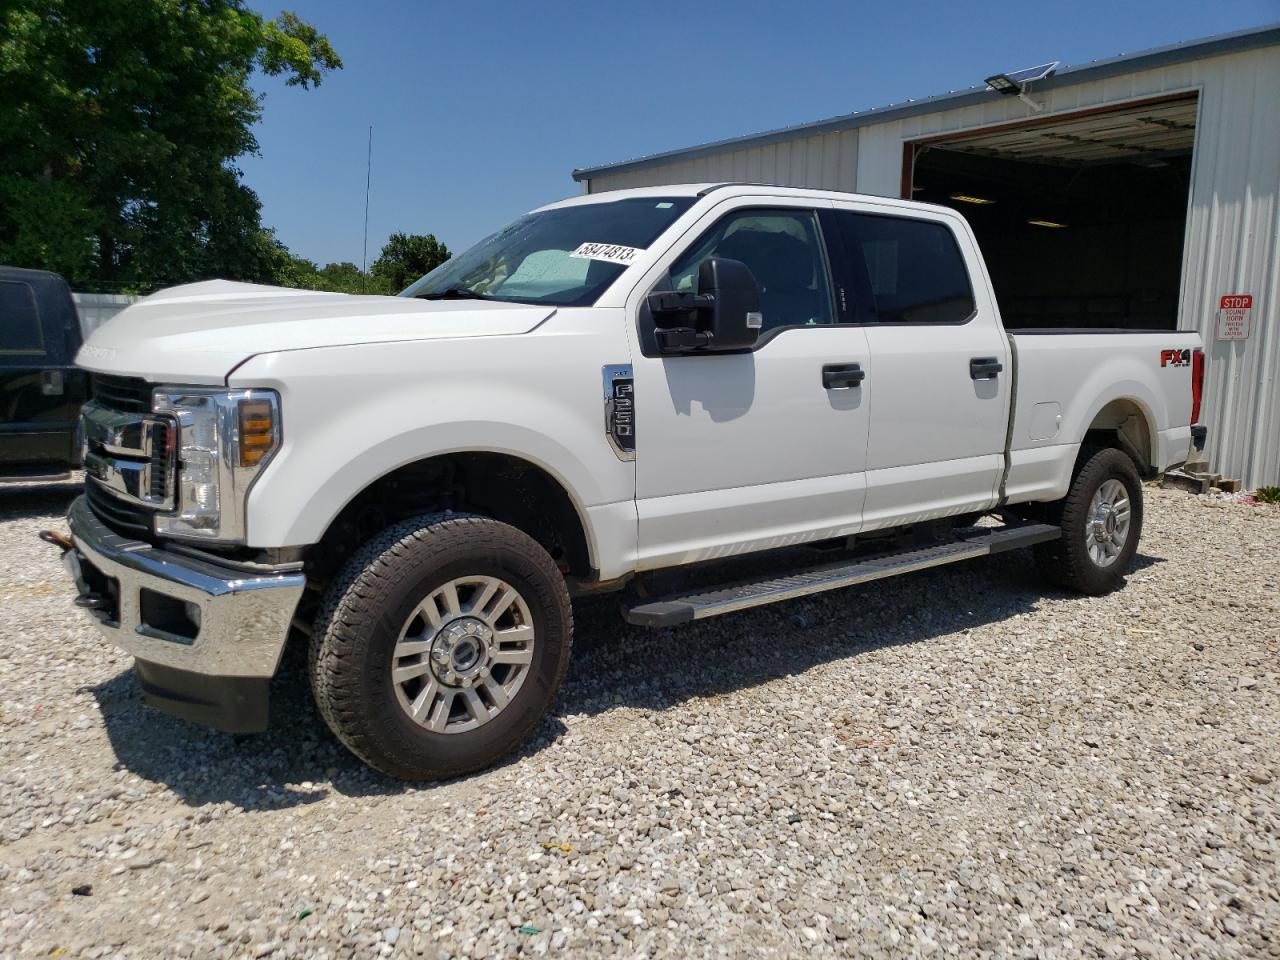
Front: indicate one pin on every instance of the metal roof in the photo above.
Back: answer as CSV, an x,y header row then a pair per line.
x,y
1249,39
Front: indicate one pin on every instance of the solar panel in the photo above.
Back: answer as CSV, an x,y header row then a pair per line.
x,y
1031,74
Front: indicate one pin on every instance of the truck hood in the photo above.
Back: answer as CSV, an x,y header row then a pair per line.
x,y
200,332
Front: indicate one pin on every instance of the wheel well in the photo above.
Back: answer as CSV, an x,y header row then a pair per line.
x,y
495,485
1123,424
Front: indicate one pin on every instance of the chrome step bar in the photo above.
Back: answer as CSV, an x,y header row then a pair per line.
x,y
976,542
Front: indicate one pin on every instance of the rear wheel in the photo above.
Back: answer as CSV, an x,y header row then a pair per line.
x,y
1101,521
441,646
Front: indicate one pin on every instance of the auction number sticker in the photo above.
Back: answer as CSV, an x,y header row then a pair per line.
x,y
608,252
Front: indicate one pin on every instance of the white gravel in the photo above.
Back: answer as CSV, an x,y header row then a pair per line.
x,y
957,763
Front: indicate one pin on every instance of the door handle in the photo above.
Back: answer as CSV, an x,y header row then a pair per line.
x,y
842,376
984,368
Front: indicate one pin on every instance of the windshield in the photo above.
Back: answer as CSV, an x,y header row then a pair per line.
x,y
566,257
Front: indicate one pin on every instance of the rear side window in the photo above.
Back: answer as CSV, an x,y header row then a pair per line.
x,y
19,320
904,270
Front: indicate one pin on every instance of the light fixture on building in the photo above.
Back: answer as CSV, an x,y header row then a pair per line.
x,y
1018,83
1047,223
967,198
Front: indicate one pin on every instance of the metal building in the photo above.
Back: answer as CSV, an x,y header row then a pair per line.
x,y
1143,190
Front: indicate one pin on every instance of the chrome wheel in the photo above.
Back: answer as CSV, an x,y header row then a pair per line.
x,y
1108,523
463,654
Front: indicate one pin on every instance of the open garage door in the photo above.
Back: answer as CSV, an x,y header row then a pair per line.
x,y
1081,217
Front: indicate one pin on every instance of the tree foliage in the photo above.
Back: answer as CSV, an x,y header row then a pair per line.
x,y
120,124
406,257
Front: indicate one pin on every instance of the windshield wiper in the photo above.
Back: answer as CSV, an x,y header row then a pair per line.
x,y
453,293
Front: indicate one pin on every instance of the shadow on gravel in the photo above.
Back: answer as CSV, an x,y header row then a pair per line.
x,y
22,501
298,762
294,763
616,665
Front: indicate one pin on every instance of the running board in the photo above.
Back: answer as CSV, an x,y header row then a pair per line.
x,y
979,542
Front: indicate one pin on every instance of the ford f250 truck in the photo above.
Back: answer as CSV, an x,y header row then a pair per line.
x,y
611,386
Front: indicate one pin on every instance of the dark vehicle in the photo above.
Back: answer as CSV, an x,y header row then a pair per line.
x,y
41,390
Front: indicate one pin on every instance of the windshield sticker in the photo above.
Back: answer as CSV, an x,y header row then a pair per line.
x,y
608,252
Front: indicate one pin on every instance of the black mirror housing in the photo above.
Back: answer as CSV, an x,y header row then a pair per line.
x,y
735,310
723,315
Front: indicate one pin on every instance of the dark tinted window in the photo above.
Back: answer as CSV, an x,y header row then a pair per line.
x,y
905,271
783,252
19,319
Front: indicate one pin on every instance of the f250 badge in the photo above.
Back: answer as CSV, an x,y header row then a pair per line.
x,y
1175,358
620,410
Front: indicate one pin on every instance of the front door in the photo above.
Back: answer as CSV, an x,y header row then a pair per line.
x,y
761,448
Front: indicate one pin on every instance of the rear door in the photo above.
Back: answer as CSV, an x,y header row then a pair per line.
x,y
40,389
759,448
939,362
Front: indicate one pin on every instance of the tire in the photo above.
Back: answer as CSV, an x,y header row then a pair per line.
x,y
1091,557
417,599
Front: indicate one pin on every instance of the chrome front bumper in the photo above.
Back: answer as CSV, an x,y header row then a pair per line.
x,y
176,612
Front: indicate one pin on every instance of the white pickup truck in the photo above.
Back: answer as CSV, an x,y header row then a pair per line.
x,y
614,385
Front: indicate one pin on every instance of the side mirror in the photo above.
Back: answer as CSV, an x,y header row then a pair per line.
x,y
723,315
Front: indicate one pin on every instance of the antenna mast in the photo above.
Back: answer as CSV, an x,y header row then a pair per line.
x,y
368,180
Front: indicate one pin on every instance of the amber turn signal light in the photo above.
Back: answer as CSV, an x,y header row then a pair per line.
x,y
257,431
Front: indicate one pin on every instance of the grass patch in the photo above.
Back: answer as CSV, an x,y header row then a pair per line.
x,y
1267,494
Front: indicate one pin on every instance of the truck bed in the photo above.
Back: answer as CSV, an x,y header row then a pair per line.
x,y
1139,381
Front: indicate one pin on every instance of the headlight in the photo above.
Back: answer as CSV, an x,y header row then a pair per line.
x,y
224,438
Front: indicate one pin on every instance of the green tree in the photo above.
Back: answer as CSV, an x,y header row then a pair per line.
x,y
120,124
404,258
346,277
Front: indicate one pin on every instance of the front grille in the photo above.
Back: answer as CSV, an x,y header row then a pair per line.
x,y
126,395
160,473
124,518
130,394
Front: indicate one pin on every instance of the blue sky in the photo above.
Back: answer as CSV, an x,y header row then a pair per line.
x,y
481,110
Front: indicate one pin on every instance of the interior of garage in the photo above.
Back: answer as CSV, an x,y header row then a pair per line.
x,y
1081,219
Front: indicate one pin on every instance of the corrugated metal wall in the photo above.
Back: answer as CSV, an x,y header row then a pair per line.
x,y
1233,226
1233,246
827,162
95,309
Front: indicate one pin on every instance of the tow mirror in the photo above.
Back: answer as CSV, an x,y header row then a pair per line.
x,y
723,315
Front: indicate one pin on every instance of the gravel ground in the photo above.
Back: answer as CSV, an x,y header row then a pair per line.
x,y
959,762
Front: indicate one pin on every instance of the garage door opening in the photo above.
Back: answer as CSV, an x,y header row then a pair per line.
x,y
1081,218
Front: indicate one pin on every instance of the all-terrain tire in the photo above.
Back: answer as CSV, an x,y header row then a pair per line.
x,y
1069,561
365,610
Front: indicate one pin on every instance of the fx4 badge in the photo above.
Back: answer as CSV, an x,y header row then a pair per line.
x,y
620,410
1175,358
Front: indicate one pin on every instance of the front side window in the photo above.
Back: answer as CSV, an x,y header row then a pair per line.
x,y
904,270
784,253
566,256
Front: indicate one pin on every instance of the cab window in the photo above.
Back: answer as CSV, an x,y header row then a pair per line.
x,y
782,248
904,270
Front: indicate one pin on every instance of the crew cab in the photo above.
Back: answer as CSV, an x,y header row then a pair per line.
x,y
613,387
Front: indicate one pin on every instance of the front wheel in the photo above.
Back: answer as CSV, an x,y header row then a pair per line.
x,y
441,645
1101,521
